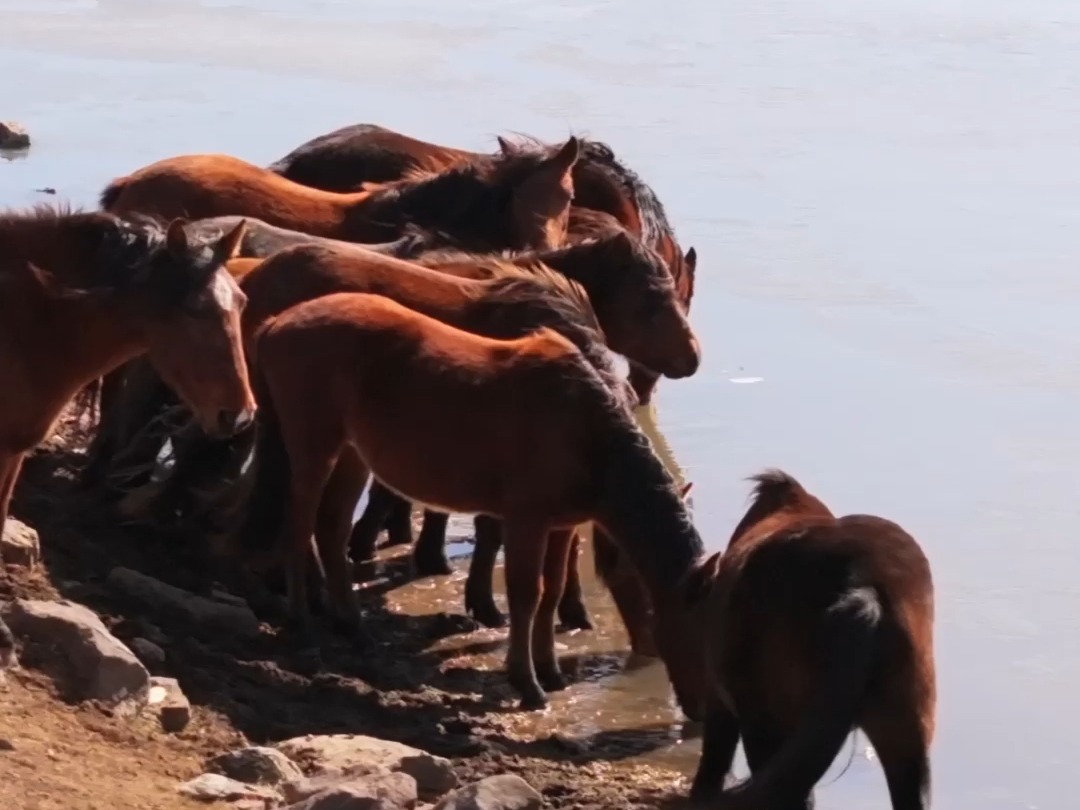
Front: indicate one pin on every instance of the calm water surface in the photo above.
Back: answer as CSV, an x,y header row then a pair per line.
x,y
885,197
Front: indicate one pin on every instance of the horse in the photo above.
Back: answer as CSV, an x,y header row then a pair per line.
x,y
364,155
85,292
359,371
642,319
520,200
807,626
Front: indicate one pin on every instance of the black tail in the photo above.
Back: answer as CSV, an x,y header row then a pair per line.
x,y
112,192
849,634
266,509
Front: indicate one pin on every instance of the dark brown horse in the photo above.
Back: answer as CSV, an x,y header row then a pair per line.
x,y
346,159
360,371
808,626
83,293
518,201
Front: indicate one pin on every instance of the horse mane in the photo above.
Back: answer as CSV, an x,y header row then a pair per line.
x,y
775,485
113,250
775,492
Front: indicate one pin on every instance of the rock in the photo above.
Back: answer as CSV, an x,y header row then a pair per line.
x,y
213,787
304,788
338,752
13,136
385,791
8,658
103,668
220,616
505,792
257,766
171,704
19,544
148,652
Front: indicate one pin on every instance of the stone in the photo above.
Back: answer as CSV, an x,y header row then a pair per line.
x,y
13,136
304,788
210,613
385,791
257,766
338,752
148,652
171,704
102,667
8,659
504,792
19,544
213,787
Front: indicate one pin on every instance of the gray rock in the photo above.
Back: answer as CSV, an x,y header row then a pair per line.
x,y
103,668
148,652
304,788
213,787
211,613
171,704
338,752
8,658
13,136
257,766
19,544
386,791
504,792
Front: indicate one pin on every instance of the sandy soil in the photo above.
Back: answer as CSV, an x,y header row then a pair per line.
x,y
274,687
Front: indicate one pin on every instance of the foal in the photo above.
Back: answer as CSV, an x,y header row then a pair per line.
x,y
808,626
360,371
83,293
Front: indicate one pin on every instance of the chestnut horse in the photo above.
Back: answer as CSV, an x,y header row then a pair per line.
x,y
346,159
361,371
808,626
517,201
85,292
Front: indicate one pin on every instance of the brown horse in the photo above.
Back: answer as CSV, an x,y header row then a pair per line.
x,y
84,292
346,159
519,201
360,371
643,320
806,627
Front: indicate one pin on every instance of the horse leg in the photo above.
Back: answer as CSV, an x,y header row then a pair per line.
x,y
901,742
479,599
332,528
429,555
526,543
10,464
762,742
572,612
555,561
719,741
631,600
365,534
399,524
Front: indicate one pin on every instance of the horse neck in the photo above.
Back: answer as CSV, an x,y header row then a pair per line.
x,y
583,263
642,511
374,216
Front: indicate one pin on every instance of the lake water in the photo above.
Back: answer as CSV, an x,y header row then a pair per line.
x,y
885,197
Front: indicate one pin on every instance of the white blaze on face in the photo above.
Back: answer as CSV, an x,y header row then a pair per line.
x,y
223,291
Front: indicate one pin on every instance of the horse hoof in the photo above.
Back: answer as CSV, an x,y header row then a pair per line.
x,y
552,681
433,567
575,618
704,794
488,616
533,702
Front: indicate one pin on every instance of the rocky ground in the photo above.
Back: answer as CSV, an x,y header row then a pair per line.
x,y
83,725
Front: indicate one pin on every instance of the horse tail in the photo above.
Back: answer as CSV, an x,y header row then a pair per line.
x,y
112,192
849,635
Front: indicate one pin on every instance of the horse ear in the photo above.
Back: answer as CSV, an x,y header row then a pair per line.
x,y
624,241
176,238
567,156
505,146
686,490
698,583
230,244
690,259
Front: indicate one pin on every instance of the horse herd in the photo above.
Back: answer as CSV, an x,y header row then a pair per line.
x,y
441,323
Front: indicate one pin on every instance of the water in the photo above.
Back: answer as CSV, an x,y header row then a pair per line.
x,y
884,198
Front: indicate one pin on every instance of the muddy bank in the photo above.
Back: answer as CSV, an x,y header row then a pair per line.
x,y
272,686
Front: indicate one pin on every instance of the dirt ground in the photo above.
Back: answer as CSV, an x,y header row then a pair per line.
x,y
56,755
